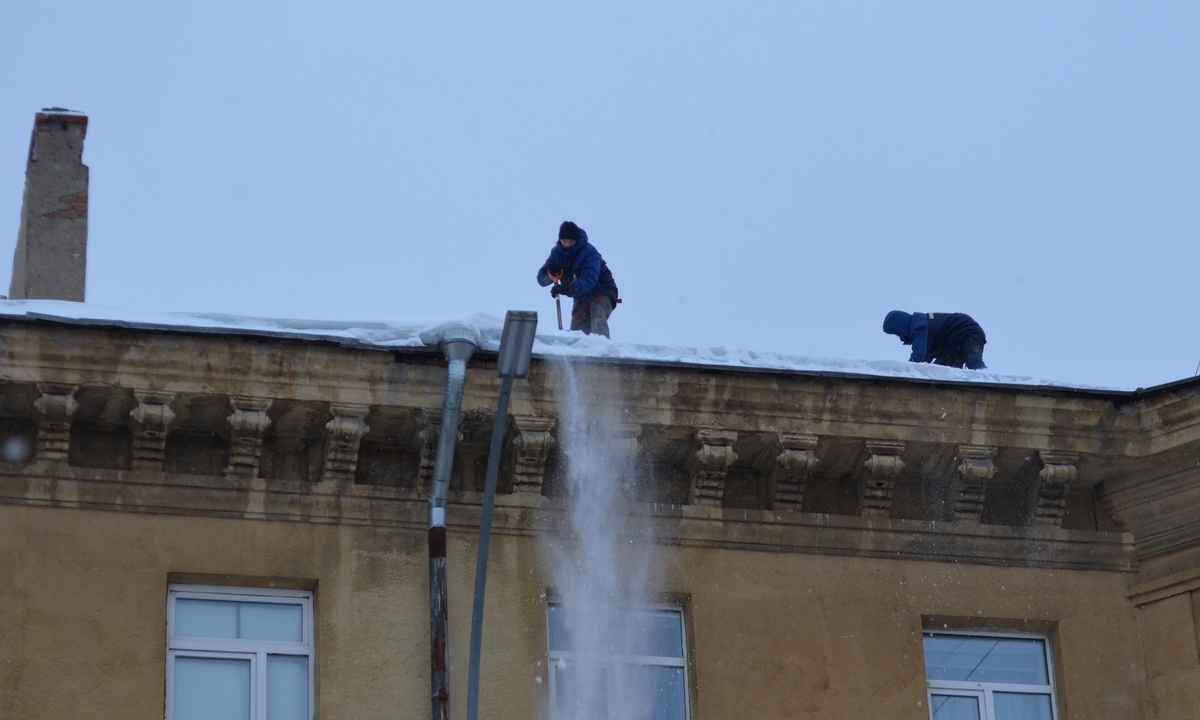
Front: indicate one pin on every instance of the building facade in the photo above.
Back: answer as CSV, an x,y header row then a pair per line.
x,y
217,522
819,537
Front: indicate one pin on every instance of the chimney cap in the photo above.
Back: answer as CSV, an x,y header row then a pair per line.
x,y
62,115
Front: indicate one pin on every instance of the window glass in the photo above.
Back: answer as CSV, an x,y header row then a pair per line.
x,y
661,690
581,694
986,659
626,632
556,619
207,688
271,621
623,663
287,687
1023,706
953,707
654,633
990,677
205,618
241,620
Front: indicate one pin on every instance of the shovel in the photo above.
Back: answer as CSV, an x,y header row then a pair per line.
x,y
558,301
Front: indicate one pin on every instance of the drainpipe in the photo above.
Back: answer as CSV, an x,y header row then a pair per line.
x,y
458,344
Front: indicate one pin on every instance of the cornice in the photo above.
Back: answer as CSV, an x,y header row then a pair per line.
x,y
1129,445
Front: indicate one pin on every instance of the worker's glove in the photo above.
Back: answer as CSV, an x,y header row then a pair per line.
x,y
562,289
554,272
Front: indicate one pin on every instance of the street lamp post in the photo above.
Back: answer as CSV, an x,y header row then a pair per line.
x,y
516,345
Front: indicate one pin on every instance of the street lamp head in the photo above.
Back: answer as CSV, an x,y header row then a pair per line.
x,y
516,343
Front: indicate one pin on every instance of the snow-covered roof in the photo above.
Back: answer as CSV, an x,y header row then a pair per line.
x,y
400,334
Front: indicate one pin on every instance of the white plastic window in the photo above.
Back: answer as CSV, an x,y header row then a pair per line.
x,y
239,654
975,676
626,663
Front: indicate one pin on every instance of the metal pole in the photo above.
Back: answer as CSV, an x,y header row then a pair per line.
x,y
485,540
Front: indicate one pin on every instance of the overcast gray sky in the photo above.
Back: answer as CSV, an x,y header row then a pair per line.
x,y
771,176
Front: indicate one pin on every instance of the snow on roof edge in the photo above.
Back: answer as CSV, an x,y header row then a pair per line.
x,y
488,328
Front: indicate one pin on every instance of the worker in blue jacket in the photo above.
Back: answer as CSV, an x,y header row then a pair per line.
x,y
951,339
577,270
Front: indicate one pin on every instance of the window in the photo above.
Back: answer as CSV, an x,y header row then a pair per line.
x,y
625,663
988,677
239,654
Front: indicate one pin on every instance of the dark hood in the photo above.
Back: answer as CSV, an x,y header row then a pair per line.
x,y
898,323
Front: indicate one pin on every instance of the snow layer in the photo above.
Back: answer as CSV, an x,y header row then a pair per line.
x,y
487,328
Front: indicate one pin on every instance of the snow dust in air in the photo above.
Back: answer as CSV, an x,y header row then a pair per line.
x,y
599,569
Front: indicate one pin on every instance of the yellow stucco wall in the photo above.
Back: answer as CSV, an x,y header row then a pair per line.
x,y
775,635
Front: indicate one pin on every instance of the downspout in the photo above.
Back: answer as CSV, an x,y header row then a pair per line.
x,y
458,344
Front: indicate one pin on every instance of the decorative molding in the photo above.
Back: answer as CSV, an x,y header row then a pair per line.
x,y
792,467
343,436
974,470
150,421
1056,475
52,412
248,424
879,484
1145,593
1160,510
709,464
530,446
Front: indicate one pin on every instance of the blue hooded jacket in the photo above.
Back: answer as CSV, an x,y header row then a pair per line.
x,y
584,270
939,338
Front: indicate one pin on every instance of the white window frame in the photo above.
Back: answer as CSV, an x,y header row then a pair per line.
x,y
612,663
984,691
256,651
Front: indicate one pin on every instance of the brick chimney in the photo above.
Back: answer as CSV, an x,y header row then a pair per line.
x,y
51,257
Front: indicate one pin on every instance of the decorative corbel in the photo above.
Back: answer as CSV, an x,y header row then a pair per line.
x,y
1057,472
53,411
530,446
974,470
343,436
709,464
883,467
248,425
150,421
791,469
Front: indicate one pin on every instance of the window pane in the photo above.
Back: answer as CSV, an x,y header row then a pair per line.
x,y
1022,706
240,620
287,687
953,707
623,631
271,621
205,618
986,659
557,618
212,689
580,693
653,692
653,632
